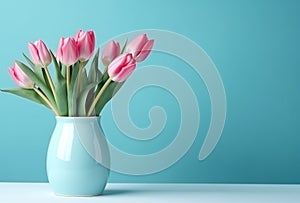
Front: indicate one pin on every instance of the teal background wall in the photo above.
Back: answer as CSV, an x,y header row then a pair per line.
x,y
254,44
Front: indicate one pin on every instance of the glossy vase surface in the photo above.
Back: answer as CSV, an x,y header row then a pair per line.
x,y
78,158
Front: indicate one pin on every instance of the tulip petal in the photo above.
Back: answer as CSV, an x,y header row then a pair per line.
x,y
110,52
20,78
34,53
146,51
43,53
140,47
86,44
135,46
120,68
39,53
68,52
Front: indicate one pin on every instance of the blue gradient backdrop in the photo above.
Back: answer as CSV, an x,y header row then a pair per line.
x,y
254,44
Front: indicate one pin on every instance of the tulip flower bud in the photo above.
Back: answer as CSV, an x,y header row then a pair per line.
x,y
120,68
67,52
140,47
20,78
110,52
39,53
86,44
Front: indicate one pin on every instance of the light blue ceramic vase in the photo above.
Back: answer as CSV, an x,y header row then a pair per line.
x,y
78,157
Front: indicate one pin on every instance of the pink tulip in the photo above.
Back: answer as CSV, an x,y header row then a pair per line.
x,y
140,47
20,77
120,68
39,53
110,52
86,44
67,52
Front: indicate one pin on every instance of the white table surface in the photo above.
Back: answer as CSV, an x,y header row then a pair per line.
x,y
168,193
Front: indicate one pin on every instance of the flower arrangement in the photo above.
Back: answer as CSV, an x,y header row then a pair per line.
x,y
77,90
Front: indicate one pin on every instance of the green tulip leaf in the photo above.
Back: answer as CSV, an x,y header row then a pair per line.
x,y
107,95
58,74
32,65
61,96
28,94
83,98
94,72
46,81
60,88
124,46
38,70
45,89
84,78
74,73
73,91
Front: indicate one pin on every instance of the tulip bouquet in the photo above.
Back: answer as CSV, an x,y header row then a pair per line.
x,y
76,90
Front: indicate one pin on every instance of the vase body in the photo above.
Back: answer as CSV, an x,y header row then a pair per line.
x,y
78,157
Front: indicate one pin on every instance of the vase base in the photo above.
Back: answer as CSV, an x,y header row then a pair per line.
x,y
77,195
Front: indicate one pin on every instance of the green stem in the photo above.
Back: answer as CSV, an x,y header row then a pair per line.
x,y
46,100
79,78
100,93
68,78
51,83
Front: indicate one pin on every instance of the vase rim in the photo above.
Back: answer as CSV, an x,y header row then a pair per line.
x,y
77,117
